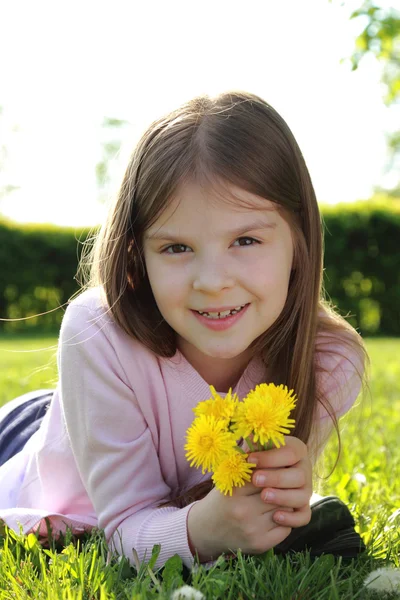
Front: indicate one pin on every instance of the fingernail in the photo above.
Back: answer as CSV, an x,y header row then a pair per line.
x,y
261,480
279,517
252,459
269,496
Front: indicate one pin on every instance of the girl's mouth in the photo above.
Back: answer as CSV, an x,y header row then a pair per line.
x,y
222,315
219,321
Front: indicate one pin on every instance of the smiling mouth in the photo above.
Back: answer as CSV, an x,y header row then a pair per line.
x,y
222,315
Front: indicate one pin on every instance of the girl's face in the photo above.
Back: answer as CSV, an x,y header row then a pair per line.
x,y
219,271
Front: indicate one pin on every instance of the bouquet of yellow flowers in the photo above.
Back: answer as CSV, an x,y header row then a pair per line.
x,y
261,419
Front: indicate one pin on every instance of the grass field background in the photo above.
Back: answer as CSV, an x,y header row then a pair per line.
x,y
367,478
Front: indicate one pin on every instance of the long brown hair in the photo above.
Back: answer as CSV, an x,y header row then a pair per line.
x,y
238,139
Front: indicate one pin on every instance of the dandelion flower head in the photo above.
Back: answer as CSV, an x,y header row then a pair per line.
x,y
234,470
386,579
218,407
208,442
265,413
187,592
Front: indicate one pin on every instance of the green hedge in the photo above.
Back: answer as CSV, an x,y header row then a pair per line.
x,y
362,267
38,264
362,263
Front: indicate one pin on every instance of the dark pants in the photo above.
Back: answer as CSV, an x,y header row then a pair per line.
x,y
19,419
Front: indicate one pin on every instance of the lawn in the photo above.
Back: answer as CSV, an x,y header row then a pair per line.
x,y
27,363
367,478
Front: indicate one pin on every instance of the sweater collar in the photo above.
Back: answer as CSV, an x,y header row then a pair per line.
x,y
197,388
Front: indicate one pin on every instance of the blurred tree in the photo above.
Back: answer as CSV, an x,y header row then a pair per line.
x,y
381,37
6,187
112,140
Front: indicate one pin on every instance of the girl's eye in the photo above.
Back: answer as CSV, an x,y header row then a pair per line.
x,y
246,241
176,249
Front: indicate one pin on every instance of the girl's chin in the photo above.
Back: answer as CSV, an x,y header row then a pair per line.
x,y
223,353
210,351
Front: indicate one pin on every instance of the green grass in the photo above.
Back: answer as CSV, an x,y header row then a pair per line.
x,y
367,478
28,362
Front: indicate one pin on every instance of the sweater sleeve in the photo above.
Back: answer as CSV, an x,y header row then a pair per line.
x,y
112,444
339,381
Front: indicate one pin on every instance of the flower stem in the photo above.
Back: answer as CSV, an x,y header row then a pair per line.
x,y
250,444
268,445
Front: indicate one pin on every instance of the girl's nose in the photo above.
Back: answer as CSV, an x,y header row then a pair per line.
x,y
212,278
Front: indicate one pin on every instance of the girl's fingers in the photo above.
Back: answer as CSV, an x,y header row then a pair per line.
x,y
259,504
285,456
290,498
275,536
295,518
295,477
248,489
251,490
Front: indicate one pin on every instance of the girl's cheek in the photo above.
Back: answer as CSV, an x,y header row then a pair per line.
x,y
260,270
171,289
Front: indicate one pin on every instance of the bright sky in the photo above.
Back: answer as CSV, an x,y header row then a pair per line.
x,y
67,65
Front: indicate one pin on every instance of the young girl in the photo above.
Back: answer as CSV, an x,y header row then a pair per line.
x,y
207,272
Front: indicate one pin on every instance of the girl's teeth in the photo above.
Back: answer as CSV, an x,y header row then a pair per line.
x,y
223,314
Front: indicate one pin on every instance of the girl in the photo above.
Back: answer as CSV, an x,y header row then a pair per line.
x,y
207,272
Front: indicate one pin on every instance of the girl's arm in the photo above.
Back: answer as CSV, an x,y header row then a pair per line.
x,y
340,375
112,445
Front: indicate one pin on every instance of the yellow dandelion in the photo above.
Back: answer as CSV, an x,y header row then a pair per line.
x,y
265,414
232,471
208,442
218,407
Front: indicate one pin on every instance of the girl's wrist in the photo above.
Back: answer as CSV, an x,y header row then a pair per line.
x,y
197,533
195,553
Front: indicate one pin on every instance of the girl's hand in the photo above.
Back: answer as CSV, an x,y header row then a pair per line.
x,y
285,474
219,523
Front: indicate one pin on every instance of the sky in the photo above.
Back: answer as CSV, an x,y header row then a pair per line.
x,y
66,66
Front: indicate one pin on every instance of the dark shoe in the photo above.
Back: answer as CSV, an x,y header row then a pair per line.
x,y
330,531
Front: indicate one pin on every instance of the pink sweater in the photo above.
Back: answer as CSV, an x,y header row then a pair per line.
x,y
111,446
